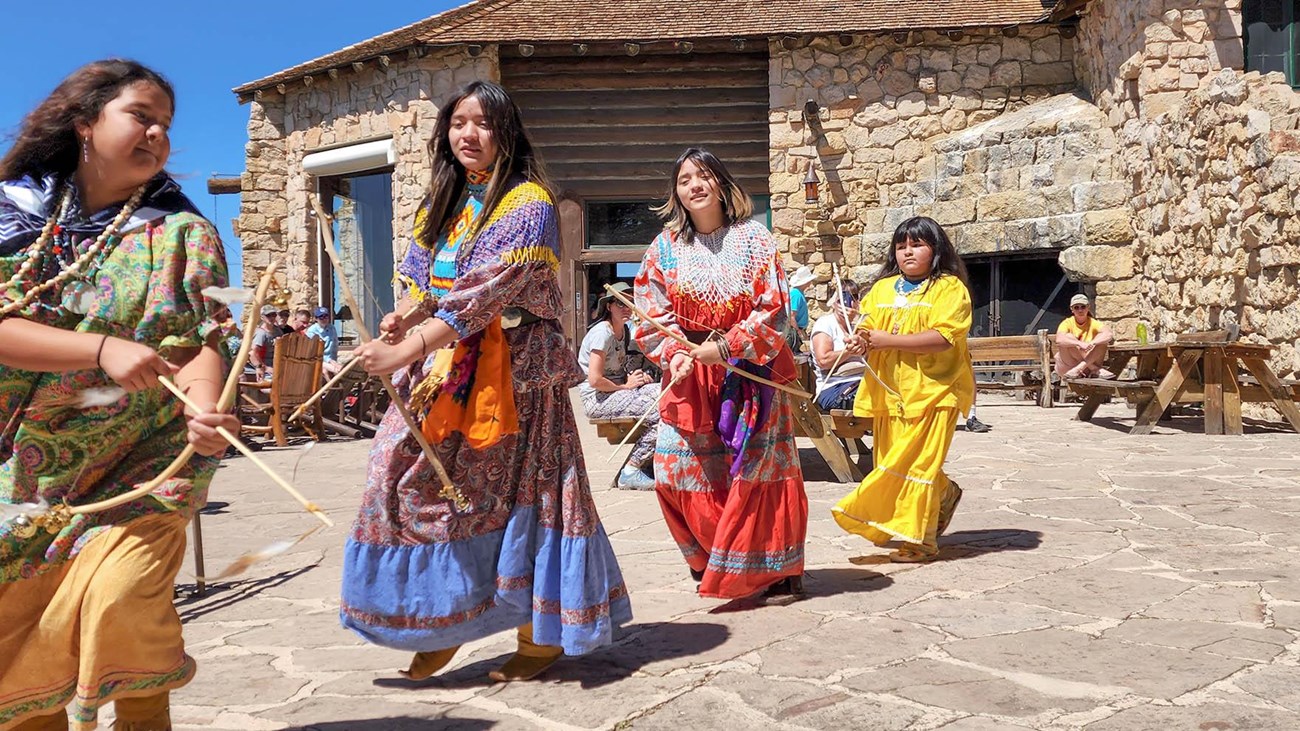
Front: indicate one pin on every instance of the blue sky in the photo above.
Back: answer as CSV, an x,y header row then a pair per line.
x,y
204,48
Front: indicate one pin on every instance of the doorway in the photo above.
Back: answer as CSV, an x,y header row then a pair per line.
x,y
1018,294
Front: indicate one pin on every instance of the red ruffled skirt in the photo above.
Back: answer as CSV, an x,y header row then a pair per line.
x,y
744,531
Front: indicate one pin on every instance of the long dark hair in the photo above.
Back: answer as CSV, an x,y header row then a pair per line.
x,y
928,231
736,204
515,157
47,141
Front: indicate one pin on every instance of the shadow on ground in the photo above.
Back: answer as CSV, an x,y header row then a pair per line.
x,y
402,723
967,543
223,594
1191,422
637,645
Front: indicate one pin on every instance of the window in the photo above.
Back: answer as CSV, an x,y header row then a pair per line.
x,y
621,223
1270,37
363,233
633,223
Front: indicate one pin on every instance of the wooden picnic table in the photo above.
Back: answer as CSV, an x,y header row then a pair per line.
x,y
1206,373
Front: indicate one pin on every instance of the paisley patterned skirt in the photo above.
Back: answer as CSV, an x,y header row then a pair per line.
x,y
421,575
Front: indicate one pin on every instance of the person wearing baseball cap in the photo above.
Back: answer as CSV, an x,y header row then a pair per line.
x,y
1081,342
323,329
261,356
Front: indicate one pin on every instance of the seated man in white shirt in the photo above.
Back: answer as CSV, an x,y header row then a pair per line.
x,y
829,335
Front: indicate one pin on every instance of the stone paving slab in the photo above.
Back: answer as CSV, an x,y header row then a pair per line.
x,y
1092,580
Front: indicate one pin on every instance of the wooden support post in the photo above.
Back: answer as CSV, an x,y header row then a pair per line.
x,y
1045,363
200,585
1231,398
1212,372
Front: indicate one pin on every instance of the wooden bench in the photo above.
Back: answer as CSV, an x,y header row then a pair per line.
x,y
1027,357
837,436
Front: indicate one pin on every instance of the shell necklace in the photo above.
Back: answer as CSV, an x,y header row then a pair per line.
x,y
77,295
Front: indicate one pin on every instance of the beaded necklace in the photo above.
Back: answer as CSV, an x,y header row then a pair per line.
x,y
76,296
903,290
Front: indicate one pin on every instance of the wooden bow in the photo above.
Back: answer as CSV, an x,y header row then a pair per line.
x,y
227,400
448,491
681,339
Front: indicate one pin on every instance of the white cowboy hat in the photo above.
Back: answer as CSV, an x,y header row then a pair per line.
x,y
802,276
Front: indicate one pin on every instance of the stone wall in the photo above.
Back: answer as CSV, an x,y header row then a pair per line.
x,y
400,100
1215,212
1140,57
1213,157
883,105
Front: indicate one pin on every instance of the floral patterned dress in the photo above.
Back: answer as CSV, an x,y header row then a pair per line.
x,y
726,469
148,289
419,573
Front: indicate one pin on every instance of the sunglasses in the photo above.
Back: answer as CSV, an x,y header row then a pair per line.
x,y
1078,307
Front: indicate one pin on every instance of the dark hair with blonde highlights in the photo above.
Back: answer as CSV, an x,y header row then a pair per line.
x,y
47,141
736,204
516,157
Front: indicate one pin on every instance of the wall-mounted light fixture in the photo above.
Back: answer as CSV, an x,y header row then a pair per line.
x,y
1069,31
632,48
956,35
811,112
900,36
580,49
811,186
526,49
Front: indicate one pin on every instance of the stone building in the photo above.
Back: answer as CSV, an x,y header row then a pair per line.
x,y
1142,151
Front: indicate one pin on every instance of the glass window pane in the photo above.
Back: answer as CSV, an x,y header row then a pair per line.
x,y
363,230
1268,35
621,223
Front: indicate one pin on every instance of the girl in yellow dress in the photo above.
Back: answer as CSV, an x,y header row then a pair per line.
x,y
914,325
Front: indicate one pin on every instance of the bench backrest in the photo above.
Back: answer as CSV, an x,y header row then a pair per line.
x,y
1010,348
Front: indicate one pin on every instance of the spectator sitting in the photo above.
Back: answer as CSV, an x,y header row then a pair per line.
x,y
837,390
261,355
300,321
282,322
1081,342
612,391
323,329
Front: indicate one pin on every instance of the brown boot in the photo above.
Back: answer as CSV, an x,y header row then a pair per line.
x,y
948,506
425,664
147,713
529,660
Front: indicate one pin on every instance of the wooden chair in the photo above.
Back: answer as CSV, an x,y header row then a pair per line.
x,y
295,376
